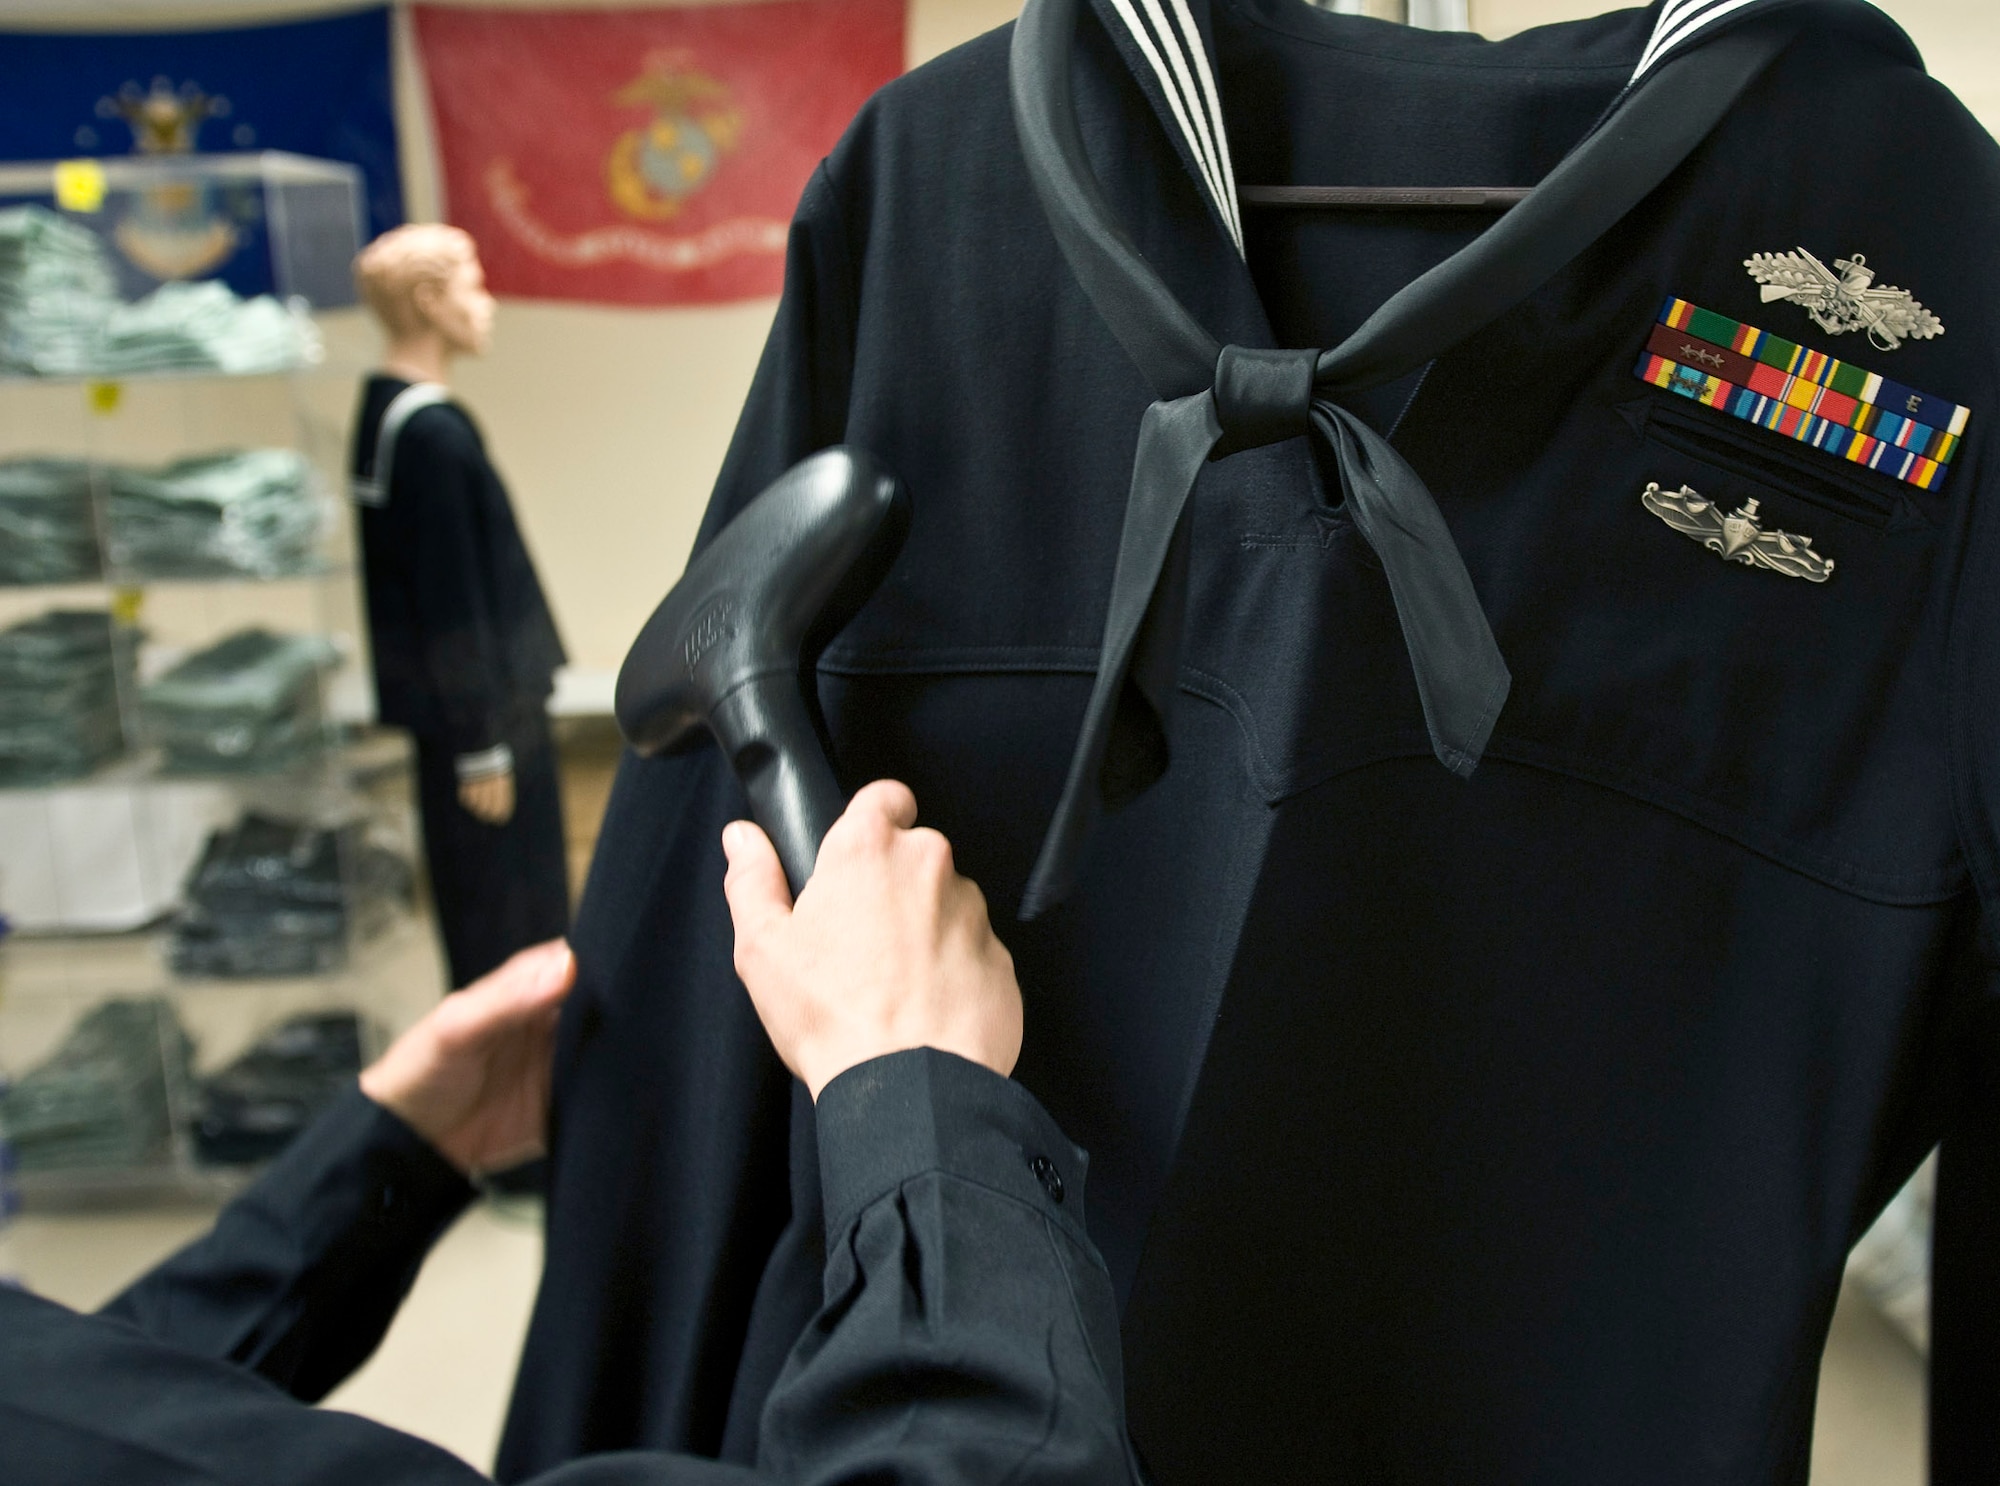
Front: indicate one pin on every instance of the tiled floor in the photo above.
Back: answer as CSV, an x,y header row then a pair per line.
x,y
447,1363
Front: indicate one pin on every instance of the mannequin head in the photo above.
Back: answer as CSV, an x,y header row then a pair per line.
x,y
425,284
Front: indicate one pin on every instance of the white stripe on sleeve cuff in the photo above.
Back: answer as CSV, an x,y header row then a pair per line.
x,y
499,759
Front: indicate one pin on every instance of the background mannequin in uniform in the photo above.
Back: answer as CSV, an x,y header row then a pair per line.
x,y
464,645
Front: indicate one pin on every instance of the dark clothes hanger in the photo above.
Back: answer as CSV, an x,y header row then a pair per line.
x,y
1388,198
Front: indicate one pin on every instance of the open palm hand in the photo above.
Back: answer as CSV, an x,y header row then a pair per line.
x,y
472,1077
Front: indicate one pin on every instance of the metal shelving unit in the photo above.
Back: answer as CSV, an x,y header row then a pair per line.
x,y
94,867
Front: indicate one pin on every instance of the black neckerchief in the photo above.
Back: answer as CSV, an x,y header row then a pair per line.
x,y
1215,400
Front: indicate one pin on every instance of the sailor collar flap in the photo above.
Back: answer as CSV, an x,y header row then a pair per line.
x,y
1169,46
1215,400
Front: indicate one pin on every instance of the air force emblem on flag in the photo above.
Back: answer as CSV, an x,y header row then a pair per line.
x,y
1844,297
183,228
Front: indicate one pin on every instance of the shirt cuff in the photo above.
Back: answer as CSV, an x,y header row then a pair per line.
x,y
359,1163
892,1119
499,759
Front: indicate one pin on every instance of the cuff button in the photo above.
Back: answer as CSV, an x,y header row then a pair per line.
x,y
1051,1179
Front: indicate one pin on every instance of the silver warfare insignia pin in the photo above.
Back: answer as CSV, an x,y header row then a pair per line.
x,y
1845,300
1736,537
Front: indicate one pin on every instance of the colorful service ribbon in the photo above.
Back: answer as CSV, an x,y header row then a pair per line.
x,y
1805,395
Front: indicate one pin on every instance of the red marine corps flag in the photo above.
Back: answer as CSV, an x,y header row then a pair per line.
x,y
646,156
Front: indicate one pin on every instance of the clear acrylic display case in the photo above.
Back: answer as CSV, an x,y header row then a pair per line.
x,y
179,356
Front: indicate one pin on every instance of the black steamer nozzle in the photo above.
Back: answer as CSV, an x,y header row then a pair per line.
x,y
733,645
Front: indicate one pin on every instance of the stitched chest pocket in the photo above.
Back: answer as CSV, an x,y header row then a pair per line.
x,y
1798,717
1666,659
1817,479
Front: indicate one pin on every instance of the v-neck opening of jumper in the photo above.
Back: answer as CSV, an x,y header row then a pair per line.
x,y
1312,97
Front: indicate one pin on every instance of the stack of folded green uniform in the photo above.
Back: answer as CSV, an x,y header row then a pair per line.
x,y
254,513
102,1098
247,704
59,679
47,531
60,315
56,291
203,327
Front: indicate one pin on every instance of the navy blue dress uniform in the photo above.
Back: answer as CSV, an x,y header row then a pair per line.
x,y
968,1335
1510,1128
465,651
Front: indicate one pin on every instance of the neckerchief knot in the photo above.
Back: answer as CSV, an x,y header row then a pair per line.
x,y
1262,397
1268,396
1215,401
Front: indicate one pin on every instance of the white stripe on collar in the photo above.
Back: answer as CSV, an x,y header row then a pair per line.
x,y
1173,50
1197,111
1679,23
1212,100
372,489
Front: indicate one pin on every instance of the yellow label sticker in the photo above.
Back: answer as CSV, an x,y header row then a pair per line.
x,y
79,185
105,397
126,604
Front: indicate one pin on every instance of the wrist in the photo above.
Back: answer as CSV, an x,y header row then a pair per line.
x,y
392,1084
386,1091
823,1065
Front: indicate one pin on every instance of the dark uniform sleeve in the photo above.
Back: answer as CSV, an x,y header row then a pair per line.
x,y
301,1275
968,1333
439,480
86,1400
1965,1280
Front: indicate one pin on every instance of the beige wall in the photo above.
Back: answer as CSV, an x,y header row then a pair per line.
x,y
610,423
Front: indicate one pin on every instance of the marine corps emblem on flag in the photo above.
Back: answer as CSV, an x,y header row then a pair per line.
x,y
656,167
644,155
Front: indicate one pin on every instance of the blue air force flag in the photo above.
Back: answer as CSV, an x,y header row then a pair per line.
x,y
318,87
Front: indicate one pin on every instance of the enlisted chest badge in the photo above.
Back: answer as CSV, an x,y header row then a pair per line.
x,y
1737,537
1844,297
1806,396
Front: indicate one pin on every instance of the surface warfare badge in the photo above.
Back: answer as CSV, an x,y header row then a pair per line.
x,y
1736,537
1845,300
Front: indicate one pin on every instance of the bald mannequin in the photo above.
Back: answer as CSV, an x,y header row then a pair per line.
x,y
427,288
464,645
